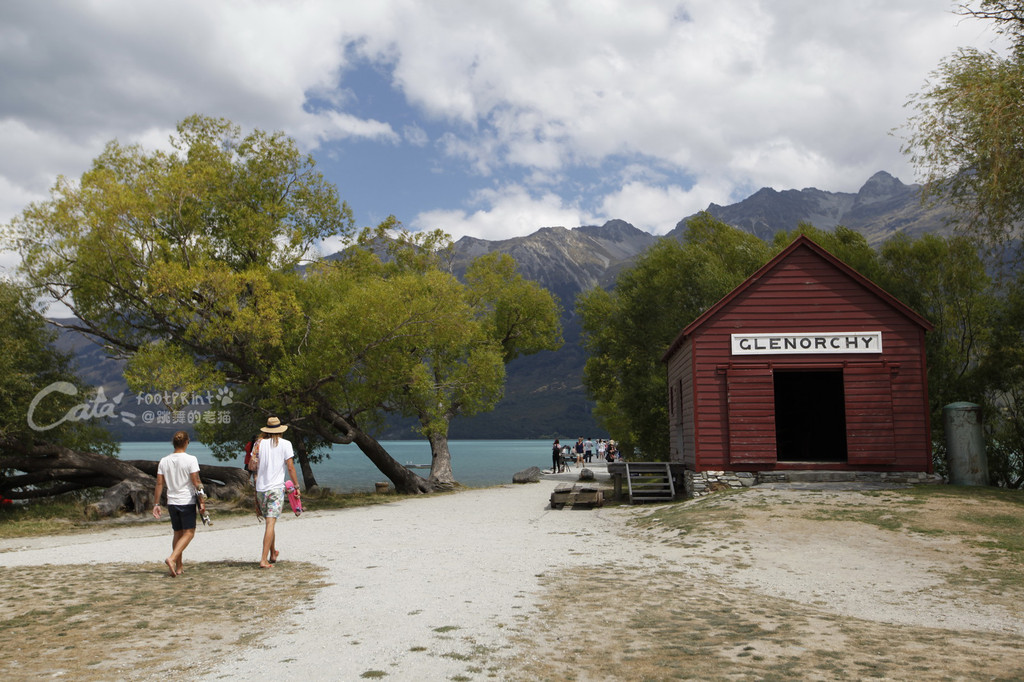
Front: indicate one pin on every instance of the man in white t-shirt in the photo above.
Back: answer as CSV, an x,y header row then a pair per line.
x,y
275,456
179,471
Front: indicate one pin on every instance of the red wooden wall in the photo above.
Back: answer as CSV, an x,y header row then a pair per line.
x,y
724,418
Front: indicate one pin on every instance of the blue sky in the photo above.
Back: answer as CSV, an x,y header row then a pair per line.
x,y
487,118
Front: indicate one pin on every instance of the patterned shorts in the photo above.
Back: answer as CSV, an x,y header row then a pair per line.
x,y
270,502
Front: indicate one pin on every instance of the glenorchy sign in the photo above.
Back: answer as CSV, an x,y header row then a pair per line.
x,y
807,342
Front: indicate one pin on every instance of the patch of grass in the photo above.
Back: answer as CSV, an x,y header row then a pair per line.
x,y
60,515
446,628
886,519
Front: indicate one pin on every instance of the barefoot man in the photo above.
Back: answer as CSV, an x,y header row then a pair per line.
x,y
179,471
275,462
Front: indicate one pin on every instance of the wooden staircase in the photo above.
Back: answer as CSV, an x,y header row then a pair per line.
x,y
649,482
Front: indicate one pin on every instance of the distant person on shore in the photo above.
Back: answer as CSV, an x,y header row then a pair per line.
x,y
274,463
179,472
556,457
602,448
588,450
579,451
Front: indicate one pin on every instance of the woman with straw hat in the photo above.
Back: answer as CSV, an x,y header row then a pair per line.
x,y
275,462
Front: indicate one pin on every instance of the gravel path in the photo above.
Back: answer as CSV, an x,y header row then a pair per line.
x,y
419,589
440,587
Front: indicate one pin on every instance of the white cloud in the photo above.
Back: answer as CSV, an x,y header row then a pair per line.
x,y
657,209
504,213
717,94
769,92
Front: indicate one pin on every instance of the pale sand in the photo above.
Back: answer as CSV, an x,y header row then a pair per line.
x,y
419,587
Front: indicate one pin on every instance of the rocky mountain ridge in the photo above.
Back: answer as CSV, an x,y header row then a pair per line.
x,y
883,207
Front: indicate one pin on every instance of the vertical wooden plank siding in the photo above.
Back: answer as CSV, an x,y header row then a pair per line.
x,y
681,429
870,427
751,415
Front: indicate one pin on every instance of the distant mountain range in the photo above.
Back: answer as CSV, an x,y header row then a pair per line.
x,y
544,395
883,207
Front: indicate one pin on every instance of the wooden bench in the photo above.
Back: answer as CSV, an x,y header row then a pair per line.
x,y
573,495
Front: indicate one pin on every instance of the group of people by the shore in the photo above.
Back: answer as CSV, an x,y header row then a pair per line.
x,y
268,458
581,453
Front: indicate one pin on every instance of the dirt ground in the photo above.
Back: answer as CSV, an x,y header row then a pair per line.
x,y
131,621
796,584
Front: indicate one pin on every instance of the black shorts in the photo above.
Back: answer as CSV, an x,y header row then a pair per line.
x,y
183,516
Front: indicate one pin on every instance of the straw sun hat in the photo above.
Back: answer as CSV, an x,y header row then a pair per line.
x,y
274,425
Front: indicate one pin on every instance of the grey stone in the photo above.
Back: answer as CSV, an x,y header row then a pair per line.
x,y
586,475
531,475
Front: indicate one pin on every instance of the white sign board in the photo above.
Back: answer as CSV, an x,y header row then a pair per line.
x,y
810,342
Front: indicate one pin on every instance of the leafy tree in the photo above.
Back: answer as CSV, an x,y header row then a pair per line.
x,y
964,136
1002,369
453,364
945,280
50,442
842,242
187,264
627,329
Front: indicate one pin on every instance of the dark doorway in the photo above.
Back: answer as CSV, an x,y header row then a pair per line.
x,y
810,419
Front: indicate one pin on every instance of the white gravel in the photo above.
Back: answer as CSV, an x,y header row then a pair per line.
x,y
415,586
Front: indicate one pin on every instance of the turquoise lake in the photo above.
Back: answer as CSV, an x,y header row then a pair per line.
x,y
475,463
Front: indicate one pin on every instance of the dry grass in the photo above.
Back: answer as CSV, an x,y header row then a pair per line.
x,y
672,624
133,622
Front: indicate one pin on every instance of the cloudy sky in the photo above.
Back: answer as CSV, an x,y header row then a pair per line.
x,y
488,118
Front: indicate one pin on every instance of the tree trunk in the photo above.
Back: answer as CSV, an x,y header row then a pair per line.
x,y
406,482
131,496
301,454
54,458
339,429
440,462
129,483
220,482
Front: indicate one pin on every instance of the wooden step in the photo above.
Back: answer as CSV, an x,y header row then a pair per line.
x,y
649,482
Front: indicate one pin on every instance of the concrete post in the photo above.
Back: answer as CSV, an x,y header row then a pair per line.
x,y
965,445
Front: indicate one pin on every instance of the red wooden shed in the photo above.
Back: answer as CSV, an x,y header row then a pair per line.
x,y
806,365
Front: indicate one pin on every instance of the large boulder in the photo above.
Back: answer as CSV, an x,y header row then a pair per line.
x,y
587,475
531,475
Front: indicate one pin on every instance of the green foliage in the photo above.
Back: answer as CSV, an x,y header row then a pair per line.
x,y
1003,372
627,329
945,280
185,262
30,364
449,360
848,246
184,254
964,137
